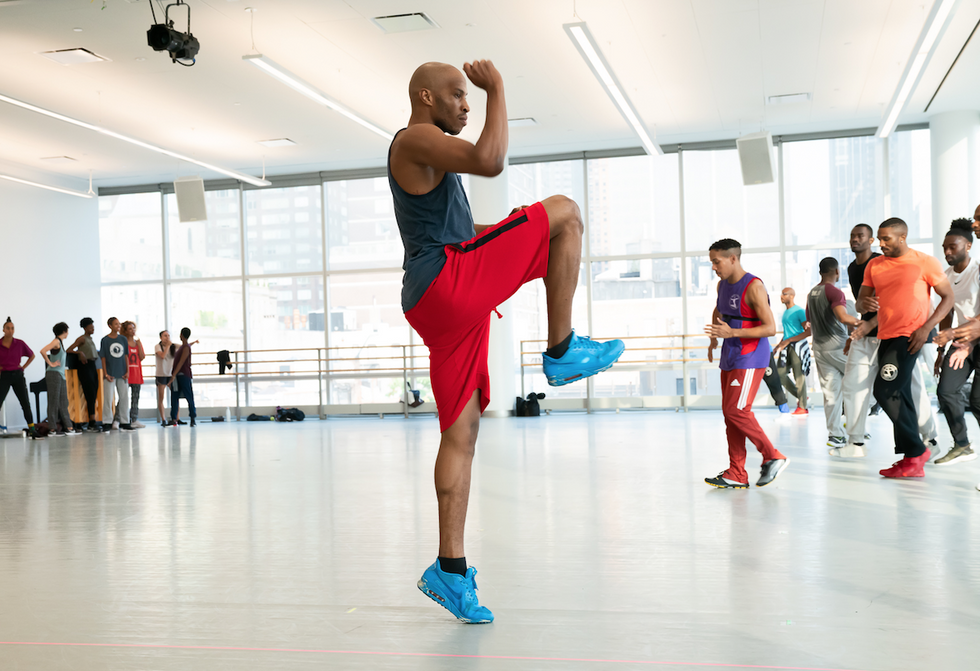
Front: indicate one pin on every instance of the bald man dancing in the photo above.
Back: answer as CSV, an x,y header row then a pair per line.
x,y
457,273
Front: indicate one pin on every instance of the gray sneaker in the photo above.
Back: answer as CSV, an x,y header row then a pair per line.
x,y
770,470
956,455
836,441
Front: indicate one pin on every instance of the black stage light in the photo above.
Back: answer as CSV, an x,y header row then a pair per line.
x,y
182,47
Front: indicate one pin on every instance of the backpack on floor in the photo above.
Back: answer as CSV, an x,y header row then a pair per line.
x,y
290,415
528,407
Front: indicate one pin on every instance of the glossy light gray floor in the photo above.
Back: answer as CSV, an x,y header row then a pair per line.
x,y
261,546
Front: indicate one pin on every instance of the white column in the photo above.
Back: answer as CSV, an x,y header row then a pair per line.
x,y
954,139
489,202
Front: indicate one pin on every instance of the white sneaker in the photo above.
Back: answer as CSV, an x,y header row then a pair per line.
x,y
115,426
138,424
849,451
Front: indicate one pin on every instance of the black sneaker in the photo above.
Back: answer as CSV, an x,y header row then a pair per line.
x,y
770,470
181,422
724,483
193,421
92,426
34,435
127,428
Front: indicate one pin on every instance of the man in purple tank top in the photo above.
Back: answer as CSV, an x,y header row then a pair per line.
x,y
742,317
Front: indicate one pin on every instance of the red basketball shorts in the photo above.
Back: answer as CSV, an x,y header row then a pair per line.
x,y
453,316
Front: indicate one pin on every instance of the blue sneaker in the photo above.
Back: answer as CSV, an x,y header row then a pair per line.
x,y
455,593
584,358
784,407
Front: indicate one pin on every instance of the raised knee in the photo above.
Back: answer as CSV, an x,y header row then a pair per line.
x,y
565,213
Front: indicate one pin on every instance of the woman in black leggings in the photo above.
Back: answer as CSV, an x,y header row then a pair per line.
x,y
88,374
12,352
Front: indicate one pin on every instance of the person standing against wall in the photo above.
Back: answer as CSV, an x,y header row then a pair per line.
x,y
135,356
115,370
88,372
12,352
57,385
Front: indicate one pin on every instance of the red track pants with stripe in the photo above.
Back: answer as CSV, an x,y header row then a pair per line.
x,y
738,390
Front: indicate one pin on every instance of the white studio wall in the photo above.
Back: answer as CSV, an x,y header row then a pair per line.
x,y
955,143
50,271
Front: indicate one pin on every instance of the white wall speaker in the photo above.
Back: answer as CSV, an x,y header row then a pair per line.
x,y
190,199
755,156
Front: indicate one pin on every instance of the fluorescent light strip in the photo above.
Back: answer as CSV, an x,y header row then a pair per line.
x,y
80,194
582,38
275,70
139,143
922,52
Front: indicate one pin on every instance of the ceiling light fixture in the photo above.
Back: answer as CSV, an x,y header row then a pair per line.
x,y
788,98
139,143
935,24
402,23
275,70
278,142
73,56
586,45
80,194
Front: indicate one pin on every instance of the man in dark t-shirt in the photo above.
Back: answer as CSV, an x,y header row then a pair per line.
x,y
457,273
826,310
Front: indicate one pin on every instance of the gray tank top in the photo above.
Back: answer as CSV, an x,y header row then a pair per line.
x,y
88,349
427,223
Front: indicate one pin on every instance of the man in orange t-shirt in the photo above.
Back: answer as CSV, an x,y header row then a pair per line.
x,y
896,286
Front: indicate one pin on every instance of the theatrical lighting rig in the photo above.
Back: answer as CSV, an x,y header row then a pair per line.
x,y
182,47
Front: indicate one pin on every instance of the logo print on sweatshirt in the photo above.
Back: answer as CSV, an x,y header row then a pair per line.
x,y
889,372
733,301
116,350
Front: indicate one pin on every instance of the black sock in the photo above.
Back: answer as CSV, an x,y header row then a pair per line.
x,y
453,565
558,351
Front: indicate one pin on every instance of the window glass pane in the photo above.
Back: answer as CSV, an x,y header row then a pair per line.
x,y
367,330
284,230
140,303
213,313
830,187
131,237
530,183
717,205
209,248
285,313
803,271
640,301
361,226
910,174
634,205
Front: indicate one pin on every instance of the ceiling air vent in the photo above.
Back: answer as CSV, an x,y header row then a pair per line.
x,y
403,23
73,56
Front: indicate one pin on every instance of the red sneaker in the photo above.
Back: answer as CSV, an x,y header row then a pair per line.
x,y
801,411
923,458
906,468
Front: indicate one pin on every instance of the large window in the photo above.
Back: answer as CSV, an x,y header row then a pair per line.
x,y
209,248
284,231
130,238
301,274
717,205
830,188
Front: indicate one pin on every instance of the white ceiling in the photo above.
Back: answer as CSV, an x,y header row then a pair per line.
x,y
694,69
